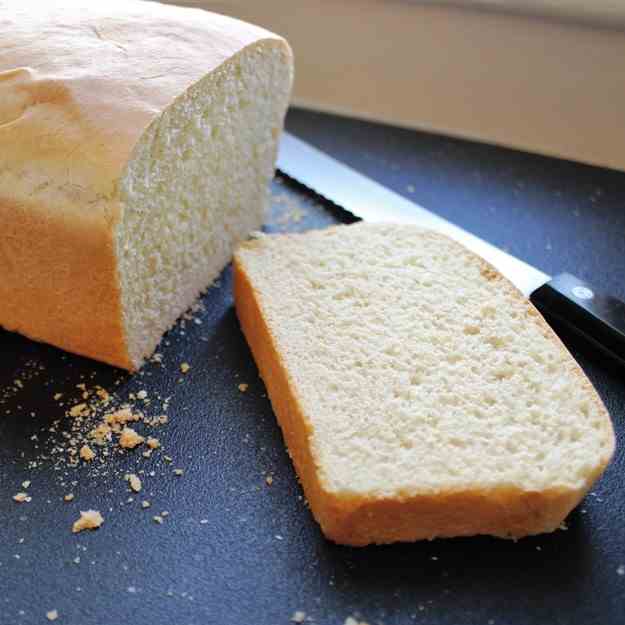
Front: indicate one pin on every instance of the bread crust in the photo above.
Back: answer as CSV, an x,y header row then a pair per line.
x,y
361,520
79,84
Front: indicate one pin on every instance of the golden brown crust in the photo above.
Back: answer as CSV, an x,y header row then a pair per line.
x,y
73,105
58,281
358,520
295,426
502,513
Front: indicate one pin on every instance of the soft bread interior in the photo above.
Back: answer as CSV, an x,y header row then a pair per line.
x,y
197,185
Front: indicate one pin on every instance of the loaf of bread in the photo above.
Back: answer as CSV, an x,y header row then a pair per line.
x,y
136,144
420,395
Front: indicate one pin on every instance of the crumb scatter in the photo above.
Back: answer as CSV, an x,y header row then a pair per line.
x,y
94,428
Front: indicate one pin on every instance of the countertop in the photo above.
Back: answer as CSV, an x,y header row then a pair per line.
x,y
237,549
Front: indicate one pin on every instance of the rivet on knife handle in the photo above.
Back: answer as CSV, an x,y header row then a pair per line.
x,y
598,318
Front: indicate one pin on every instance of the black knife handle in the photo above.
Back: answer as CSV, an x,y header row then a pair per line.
x,y
598,318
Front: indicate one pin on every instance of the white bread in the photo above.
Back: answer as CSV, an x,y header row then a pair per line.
x,y
136,144
419,393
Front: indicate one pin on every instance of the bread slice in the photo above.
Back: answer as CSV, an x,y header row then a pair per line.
x,y
419,393
136,144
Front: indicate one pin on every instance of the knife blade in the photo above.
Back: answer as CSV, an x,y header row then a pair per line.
x,y
597,317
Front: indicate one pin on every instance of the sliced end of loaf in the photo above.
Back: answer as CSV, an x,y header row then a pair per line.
x,y
196,185
419,394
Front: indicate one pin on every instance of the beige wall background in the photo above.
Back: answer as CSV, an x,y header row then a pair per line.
x,y
553,86
604,12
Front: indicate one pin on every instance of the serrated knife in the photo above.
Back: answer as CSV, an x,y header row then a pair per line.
x,y
599,318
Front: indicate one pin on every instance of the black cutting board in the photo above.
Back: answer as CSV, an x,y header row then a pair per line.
x,y
234,549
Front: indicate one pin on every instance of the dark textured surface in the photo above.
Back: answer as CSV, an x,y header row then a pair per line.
x,y
260,556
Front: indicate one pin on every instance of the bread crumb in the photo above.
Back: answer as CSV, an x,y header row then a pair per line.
x,y
184,367
79,410
145,504
178,471
153,443
68,497
101,434
243,387
102,394
86,453
203,521
120,417
269,480
89,520
298,616
22,498
25,483
158,519
134,481
57,396
129,439
350,620
142,394
52,615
